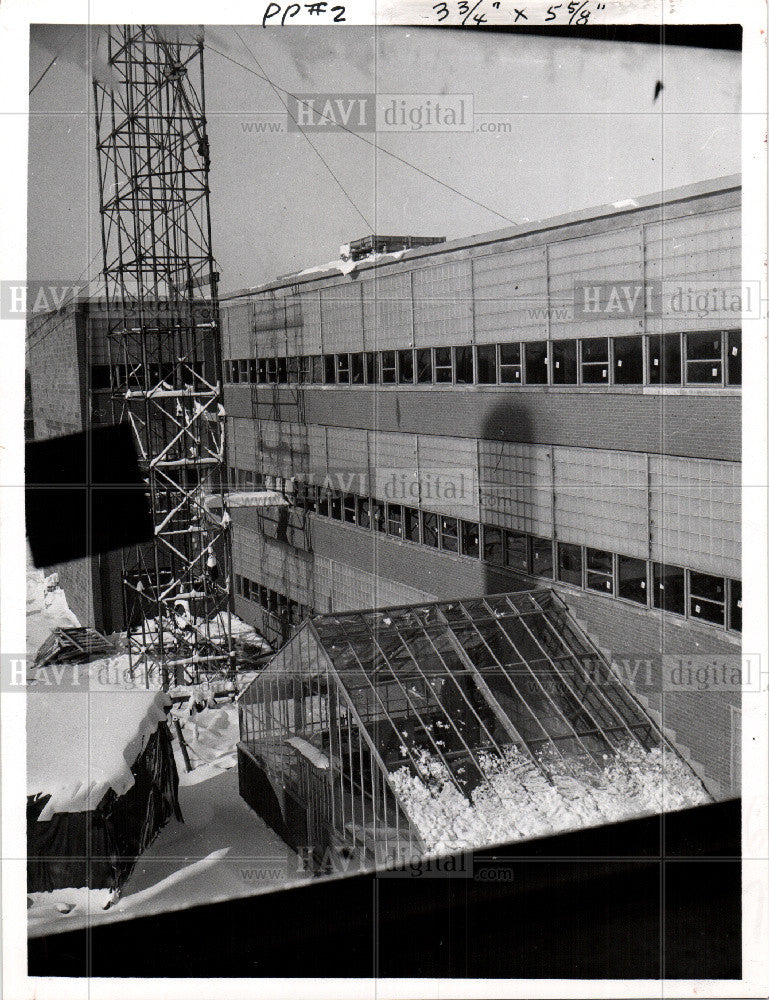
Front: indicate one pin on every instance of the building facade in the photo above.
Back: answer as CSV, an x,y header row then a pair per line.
x,y
550,404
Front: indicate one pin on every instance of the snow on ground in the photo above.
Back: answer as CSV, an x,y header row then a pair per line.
x,y
222,850
518,802
47,609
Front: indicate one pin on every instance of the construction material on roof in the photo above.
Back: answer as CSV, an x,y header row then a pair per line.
x,y
447,725
359,249
73,645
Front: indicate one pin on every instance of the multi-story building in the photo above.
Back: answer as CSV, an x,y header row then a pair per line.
x,y
545,403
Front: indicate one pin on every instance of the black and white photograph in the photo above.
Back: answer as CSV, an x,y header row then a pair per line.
x,y
384,447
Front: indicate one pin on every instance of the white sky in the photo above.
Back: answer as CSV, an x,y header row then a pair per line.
x,y
586,131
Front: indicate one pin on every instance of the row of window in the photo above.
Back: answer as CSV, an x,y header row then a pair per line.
x,y
271,601
674,589
120,376
655,359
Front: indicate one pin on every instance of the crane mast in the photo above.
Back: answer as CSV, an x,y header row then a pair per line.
x,y
162,308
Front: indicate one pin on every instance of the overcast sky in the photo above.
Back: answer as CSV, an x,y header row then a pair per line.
x,y
586,130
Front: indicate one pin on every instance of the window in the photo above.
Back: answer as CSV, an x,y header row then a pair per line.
x,y
703,358
595,361
429,529
669,588
510,363
343,368
364,512
470,539
281,370
317,368
349,508
100,377
665,359
395,520
370,362
564,354
628,360
405,367
734,357
272,370
443,369
261,370
735,605
599,570
707,598
356,369
515,551
378,517
329,371
541,556
424,366
449,535
323,498
388,376
463,365
336,505
243,366
235,372
292,363
252,370
570,563
493,550
536,363
486,364
631,579
304,373
411,524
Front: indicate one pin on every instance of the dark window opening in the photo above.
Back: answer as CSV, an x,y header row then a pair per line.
x,y
703,358
599,573
370,358
628,360
443,367
405,367
631,579
356,369
734,357
665,359
493,551
669,588
395,520
388,367
282,371
735,605
486,364
470,539
510,363
707,597
515,551
364,512
570,563
317,368
349,508
430,529
595,361
449,534
411,524
536,363
329,372
343,368
564,354
463,365
541,550
424,366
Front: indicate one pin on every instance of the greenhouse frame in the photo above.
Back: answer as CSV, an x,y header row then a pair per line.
x,y
354,698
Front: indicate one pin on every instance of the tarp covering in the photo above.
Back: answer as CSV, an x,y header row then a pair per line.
x,y
97,849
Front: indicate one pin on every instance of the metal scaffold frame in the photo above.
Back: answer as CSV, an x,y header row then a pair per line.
x,y
162,310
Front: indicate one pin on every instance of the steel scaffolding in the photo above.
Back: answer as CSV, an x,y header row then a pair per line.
x,y
164,340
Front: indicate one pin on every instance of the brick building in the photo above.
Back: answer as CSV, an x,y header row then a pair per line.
x,y
452,420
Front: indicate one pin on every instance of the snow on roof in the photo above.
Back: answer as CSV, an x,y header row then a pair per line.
x,y
81,743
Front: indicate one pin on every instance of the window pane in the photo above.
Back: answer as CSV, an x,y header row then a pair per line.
x,y
411,524
323,502
425,365
449,538
470,539
329,373
665,359
349,508
364,512
430,529
734,357
405,367
492,545
316,368
370,368
443,364
282,370
595,360
631,579
486,364
235,373
356,369
707,597
378,516
395,520
336,506
343,368
669,592
510,363
599,573
541,556
564,362
735,605
628,360
463,361
515,551
536,363
388,367
703,358
570,563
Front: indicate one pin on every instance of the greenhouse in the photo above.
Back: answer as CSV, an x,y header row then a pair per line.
x,y
437,727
